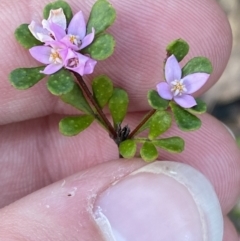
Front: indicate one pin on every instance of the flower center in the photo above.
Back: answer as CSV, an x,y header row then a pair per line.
x,y
178,88
55,58
73,62
75,40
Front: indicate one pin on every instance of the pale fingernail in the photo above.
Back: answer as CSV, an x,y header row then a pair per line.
x,y
162,201
230,131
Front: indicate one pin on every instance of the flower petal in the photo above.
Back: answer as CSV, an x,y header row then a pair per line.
x,y
69,44
164,91
41,53
58,17
77,26
88,39
186,101
52,68
172,69
89,66
39,32
194,82
57,31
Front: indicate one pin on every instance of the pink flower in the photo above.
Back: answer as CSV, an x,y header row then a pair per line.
x,y
57,56
79,63
52,29
54,57
177,88
60,48
76,37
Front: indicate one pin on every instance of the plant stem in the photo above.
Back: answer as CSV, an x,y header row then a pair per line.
x,y
94,103
147,117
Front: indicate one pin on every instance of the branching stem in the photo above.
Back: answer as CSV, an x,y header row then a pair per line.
x,y
139,126
84,87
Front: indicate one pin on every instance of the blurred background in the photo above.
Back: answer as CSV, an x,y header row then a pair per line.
x,y
223,99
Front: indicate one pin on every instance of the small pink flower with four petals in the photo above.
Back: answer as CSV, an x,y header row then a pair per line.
x,y
177,88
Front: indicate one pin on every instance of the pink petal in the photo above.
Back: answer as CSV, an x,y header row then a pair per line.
x,y
57,31
194,82
52,68
186,101
172,69
69,44
41,53
88,39
164,91
57,16
39,32
56,44
82,62
77,26
89,66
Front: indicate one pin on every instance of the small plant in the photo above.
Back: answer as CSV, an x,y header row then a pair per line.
x,y
68,48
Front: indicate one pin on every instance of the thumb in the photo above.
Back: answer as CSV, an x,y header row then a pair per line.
x,y
119,201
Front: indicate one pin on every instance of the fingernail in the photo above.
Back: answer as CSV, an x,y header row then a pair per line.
x,y
229,130
162,201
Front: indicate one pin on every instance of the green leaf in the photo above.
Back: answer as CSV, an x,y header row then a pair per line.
x,y
73,125
179,48
200,108
148,152
61,82
185,120
102,47
102,87
128,148
24,78
197,65
118,104
157,102
160,123
173,144
25,37
76,99
101,17
58,4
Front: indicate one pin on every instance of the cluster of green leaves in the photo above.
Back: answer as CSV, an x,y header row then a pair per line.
x,y
165,111
62,83
101,17
105,94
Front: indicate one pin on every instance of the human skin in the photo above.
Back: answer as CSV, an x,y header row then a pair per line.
x,y
34,154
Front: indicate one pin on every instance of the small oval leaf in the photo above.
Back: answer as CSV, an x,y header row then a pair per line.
x,y
61,82
148,152
25,37
56,5
101,17
102,87
197,65
128,148
73,125
160,123
179,48
185,120
156,101
173,144
101,48
118,104
200,108
76,99
24,78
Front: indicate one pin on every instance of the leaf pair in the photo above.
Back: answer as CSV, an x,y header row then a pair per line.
x,y
185,118
180,48
148,151
116,98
